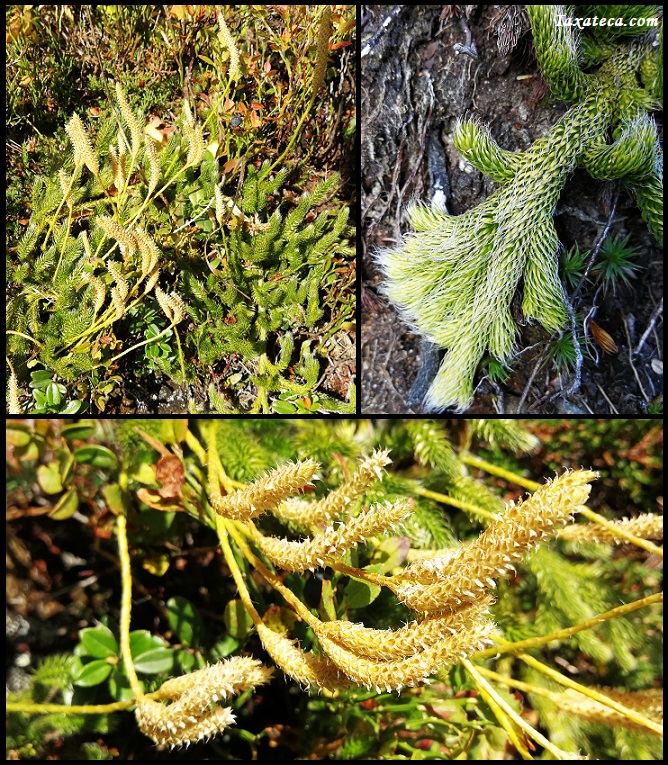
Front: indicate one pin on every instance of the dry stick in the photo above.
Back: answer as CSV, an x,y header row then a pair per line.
x,y
613,408
534,372
658,309
635,371
381,30
597,246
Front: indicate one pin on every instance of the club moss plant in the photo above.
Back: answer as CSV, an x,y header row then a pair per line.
x,y
447,610
186,246
453,278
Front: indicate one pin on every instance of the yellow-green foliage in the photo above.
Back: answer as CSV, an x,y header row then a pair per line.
x,y
152,239
453,277
391,616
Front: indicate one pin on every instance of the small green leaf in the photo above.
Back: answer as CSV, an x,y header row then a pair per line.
x,y
99,642
65,465
173,431
74,407
359,594
145,474
237,619
119,685
155,661
66,506
115,498
142,641
283,407
156,563
53,394
48,477
41,378
185,660
93,673
185,620
96,455
389,554
77,431
225,647
18,434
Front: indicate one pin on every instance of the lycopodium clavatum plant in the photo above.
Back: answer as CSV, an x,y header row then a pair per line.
x,y
206,251
454,277
345,576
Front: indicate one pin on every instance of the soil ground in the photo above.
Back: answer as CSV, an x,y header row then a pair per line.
x,y
414,81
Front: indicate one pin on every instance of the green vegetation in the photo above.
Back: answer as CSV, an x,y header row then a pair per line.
x,y
615,262
157,571
198,234
454,277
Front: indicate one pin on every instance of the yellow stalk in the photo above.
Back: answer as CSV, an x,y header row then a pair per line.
x,y
507,647
488,467
644,543
221,528
444,499
90,709
563,680
488,692
126,606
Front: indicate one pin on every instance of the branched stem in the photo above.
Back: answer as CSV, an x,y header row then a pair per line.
x,y
234,527
138,345
471,459
491,695
449,595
